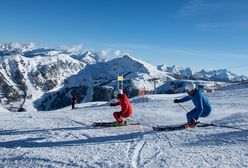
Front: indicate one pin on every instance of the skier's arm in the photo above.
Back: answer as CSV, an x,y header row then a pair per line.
x,y
187,98
115,104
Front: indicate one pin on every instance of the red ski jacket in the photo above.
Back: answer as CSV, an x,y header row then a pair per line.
x,y
126,108
73,99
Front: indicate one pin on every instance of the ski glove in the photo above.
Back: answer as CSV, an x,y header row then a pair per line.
x,y
177,101
112,104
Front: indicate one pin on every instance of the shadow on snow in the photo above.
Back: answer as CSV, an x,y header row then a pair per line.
x,y
21,132
31,142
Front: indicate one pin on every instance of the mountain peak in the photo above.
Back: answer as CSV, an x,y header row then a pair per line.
x,y
175,70
222,75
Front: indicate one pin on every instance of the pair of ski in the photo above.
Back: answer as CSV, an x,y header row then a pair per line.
x,y
177,127
155,128
113,124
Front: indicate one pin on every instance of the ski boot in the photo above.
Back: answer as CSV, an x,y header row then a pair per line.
x,y
191,124
123,123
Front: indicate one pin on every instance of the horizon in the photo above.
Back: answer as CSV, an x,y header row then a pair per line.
x,y
199,34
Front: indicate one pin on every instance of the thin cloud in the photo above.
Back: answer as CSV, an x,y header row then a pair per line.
x,y
197,7
104,52
206,54
230,55
131,47
239,66
145,47
193,7
117,52
223,26
109,53
189,53
75,48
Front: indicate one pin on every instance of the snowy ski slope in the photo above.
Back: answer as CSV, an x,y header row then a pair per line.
x,y
64,138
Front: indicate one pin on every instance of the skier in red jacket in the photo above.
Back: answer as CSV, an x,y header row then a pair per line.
x,y
126,108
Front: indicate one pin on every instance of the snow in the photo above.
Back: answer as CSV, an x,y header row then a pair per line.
x,y
184,72
131,68
31,72
216,75
64,138
31,67
3,110
220,75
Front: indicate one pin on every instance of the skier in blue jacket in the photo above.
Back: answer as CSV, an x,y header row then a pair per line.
x,y
202,105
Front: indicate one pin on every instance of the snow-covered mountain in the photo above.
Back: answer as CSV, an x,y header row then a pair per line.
x,y
26,72
29,50
97,81
46,78
221,75
176,71
88,57
178,86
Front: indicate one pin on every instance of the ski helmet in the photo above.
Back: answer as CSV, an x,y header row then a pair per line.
x,y
189,87
118,92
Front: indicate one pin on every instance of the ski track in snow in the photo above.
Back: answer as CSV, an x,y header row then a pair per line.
x,y
65,138
136,150
136,153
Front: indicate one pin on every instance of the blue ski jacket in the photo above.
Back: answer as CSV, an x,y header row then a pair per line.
x,y
202,105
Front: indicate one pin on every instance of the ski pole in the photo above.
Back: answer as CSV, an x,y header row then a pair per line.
x,y
182,107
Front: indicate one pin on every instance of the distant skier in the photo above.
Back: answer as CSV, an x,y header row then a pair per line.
x,y
73,102
202,105
126,108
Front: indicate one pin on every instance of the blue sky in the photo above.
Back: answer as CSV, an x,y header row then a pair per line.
x,y
209,34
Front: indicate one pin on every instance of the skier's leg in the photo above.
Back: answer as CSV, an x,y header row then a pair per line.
x,y
205,112
126,115
117,117
192,114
